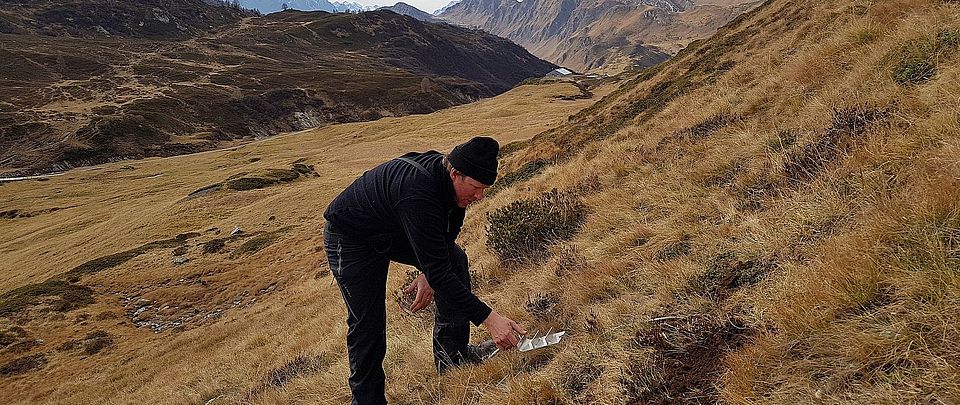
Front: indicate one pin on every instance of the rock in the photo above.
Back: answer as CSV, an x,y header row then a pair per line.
x,y
180,260
236,231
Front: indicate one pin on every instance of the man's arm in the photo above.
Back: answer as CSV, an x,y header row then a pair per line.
x,y
423,221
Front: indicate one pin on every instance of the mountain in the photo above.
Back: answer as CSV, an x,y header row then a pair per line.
x,y
586,35
80,100
346,6
273,6
411,11
444,8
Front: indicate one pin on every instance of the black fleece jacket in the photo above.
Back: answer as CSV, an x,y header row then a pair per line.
x,y
396,199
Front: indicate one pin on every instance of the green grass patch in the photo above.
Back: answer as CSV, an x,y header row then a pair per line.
x,y
674,250
258,243
262,180
917,60
106,262
71,296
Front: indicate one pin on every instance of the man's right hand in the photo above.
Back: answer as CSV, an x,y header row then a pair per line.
x,y
503,330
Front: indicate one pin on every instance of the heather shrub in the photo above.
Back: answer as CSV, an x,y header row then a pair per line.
x,y
522,231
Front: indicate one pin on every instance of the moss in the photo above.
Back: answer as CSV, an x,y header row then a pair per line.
x,y
522,230
250,183
283,175
512,147
104,262
71,296
914,70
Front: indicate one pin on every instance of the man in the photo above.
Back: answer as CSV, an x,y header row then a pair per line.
x,y
410,210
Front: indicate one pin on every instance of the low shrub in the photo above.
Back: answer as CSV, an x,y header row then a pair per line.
x,y
23,365
214,246
97,341
71,296
522,230
258,243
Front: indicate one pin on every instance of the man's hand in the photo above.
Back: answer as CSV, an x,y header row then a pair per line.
x,y
503,330
424,293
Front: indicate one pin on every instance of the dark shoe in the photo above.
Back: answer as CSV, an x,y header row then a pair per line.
x,y
477,354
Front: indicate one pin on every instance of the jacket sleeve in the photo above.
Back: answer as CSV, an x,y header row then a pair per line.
x,y
423,220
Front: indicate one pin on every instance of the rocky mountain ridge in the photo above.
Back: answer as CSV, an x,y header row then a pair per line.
x,y
587,35
92,98
411,11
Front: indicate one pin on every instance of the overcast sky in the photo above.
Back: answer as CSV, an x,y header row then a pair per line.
x,y
425,5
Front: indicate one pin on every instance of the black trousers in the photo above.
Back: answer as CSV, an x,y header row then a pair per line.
x,y
360,268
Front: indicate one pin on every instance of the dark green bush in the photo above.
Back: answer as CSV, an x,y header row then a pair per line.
x,y
71,296
521,231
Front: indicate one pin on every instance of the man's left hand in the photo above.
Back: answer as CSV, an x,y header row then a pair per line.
x,y
424,293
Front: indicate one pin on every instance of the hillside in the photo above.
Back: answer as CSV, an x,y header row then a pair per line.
x,y
273,6
154,19
772,216
241,305
72,101
587,35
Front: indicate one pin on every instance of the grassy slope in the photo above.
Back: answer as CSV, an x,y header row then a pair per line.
x,y
773,219
119,207
777,221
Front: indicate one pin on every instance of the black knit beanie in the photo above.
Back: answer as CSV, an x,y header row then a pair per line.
x,y
477,158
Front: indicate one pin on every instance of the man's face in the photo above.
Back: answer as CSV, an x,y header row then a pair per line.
x,y
467,189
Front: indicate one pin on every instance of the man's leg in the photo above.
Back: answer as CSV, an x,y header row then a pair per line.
x,y
451,329
361,273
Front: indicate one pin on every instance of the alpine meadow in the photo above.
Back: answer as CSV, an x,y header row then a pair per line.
x,y
772,215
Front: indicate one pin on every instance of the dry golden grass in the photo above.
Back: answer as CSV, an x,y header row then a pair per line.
x,y
788,232
251,314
